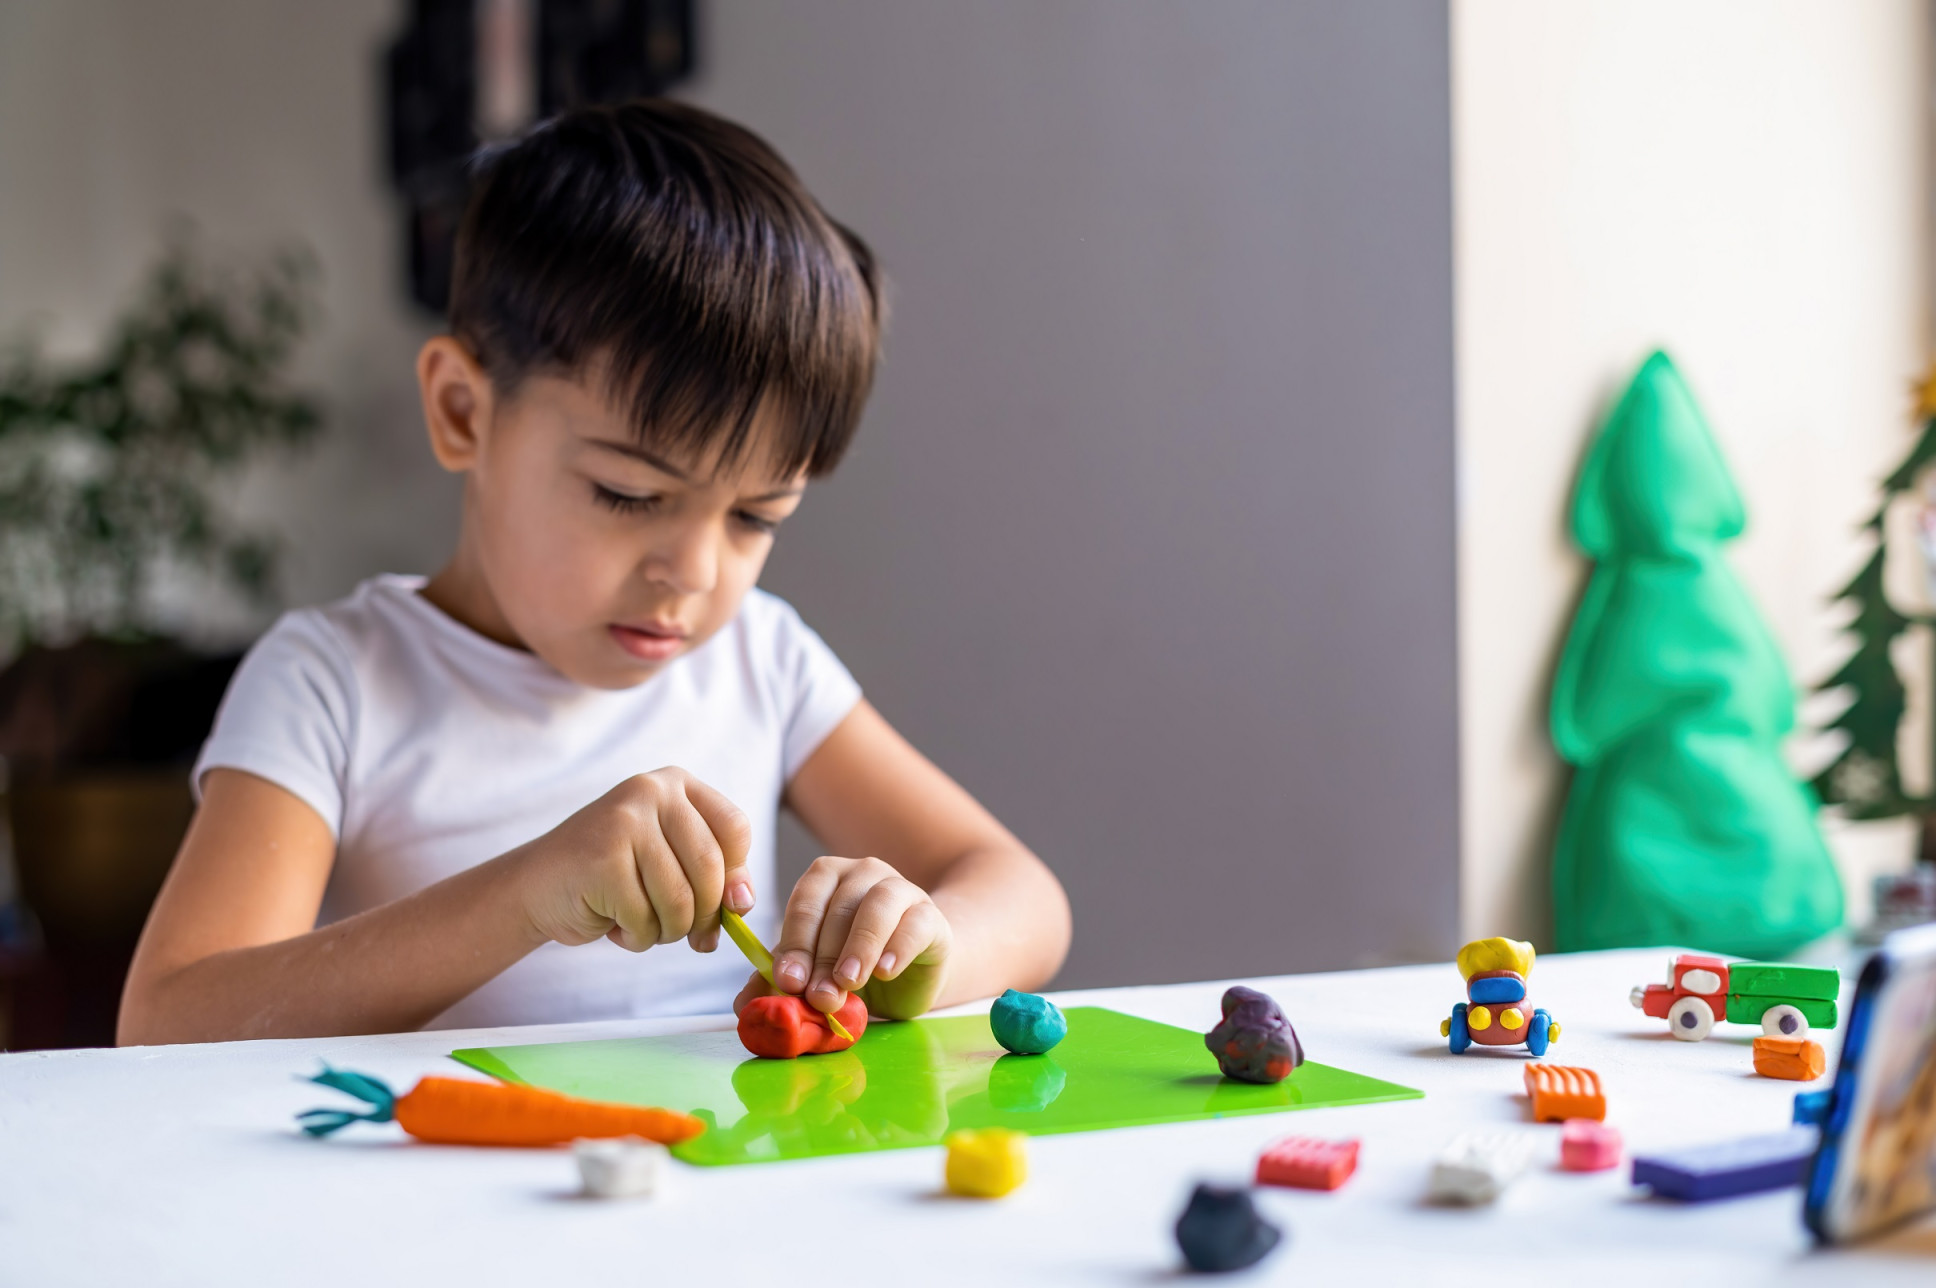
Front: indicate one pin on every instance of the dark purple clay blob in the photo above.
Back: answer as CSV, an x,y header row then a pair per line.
x,y
1255,1042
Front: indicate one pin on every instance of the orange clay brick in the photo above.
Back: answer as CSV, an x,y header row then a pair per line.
x,y
1307,1164
1796,1059
1560,1092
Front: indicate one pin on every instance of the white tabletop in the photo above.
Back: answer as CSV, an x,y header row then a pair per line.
x,y
182,1165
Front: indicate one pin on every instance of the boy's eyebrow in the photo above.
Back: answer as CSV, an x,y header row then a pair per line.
x,y
639,453
664,466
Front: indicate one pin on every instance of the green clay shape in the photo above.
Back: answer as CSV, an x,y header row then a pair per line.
x,y
1027,1024
1683,824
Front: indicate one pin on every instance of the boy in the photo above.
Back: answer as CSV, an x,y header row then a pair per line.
x,y
425,805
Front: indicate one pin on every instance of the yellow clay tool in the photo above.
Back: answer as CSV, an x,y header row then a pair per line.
x,y
749,943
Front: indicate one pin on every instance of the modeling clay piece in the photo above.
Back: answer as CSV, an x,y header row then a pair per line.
x,y
620,1169
1255,1042
1476,1169
1306,1164
1731,1167
1811,1107
986,1164
1026,1024
1495,1011
781,1026
1588,1146
1220,1230
1560,1092
1701,991
457,1111
1796,1059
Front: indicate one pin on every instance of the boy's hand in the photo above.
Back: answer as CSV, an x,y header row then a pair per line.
x,y
858,925
649,862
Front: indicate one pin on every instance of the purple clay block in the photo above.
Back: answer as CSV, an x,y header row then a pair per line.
x,y
1255,1042
1729,1167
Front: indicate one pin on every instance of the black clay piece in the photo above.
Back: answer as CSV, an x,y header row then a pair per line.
x,y
1221,1230
1254,1042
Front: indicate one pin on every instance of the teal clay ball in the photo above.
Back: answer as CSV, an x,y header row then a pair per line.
x,y
1026,1024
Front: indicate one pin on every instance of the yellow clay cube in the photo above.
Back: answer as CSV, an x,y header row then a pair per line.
x,y
986,1164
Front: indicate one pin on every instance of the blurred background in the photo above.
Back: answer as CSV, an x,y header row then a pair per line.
x,y
1208,521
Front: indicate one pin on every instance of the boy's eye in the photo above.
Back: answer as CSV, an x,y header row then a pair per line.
x,y
756,522
622,502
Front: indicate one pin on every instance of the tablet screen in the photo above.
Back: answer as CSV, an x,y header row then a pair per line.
x,y
1887,1156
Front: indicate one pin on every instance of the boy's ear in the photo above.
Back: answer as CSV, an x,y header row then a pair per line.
x,y
458,402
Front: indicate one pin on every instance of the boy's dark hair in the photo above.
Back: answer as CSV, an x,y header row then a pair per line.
x,y
680,252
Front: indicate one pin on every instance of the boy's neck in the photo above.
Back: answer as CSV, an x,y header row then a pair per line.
x,y
460,592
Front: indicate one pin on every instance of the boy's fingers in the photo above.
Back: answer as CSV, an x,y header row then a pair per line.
x,y
701,859
880,912
920,929
665,885
800,929
636,922
825,992
733,832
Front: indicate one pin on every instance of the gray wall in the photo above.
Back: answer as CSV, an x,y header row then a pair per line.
x,y
1148,535
1148,538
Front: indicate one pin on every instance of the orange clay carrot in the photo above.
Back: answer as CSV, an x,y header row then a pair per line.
x,y
459,1111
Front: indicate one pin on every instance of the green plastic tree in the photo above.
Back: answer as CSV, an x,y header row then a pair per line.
x,y
1865,779
1683,824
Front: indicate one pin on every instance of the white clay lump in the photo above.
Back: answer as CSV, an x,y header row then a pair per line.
x,y
620,1169
1477,1168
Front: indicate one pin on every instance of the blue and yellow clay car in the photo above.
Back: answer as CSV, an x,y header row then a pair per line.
x,y
1495,1011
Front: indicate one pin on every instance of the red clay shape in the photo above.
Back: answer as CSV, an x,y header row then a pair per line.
x,y
782,1026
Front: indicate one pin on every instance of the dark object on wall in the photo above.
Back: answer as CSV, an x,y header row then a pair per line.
x,y
466,72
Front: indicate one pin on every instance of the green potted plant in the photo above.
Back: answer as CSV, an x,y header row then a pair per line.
x,y
113,473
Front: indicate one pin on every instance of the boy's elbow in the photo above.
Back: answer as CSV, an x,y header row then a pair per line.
x,y
1056,930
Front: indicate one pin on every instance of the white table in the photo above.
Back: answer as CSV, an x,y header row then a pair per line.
x,y
182,1165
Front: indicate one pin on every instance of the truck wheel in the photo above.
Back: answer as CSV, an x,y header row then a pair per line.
x,y
1784,1021
1690,1019
1457,1036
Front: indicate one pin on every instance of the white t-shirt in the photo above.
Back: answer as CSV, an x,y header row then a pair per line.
x,y
428,748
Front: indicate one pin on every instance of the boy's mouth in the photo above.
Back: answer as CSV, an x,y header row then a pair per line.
x,y
651,642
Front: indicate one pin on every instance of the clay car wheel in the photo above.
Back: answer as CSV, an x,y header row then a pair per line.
x,y
1690,1019
1784,1021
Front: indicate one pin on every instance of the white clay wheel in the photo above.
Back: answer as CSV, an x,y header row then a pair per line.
x,y
1690,1019
1784,1021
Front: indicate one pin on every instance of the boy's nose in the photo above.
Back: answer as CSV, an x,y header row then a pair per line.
x,y
689,563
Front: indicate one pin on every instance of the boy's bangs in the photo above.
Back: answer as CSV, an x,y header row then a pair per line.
x,y
676,254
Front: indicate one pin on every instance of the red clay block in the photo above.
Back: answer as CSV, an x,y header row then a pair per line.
x,y
1560,1092
782,1026
1795,1059
1307,1164
1588,1146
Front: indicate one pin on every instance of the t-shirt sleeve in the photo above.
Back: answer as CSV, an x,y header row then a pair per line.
x,y
288,715
815,693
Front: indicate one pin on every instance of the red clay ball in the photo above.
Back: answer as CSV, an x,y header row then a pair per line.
x,y
782,1026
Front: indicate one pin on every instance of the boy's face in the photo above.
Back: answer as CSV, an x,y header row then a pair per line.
x,y
599,555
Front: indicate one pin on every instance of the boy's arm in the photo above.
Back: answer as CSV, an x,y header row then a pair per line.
x,y
231,949
1004,919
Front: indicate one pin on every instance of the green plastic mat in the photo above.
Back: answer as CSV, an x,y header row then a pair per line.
x,y
911,1083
